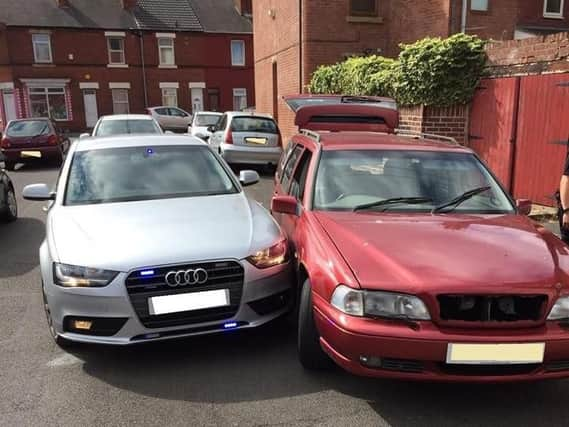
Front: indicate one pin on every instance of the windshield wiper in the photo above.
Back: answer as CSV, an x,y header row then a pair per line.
x,y
454,203
393,201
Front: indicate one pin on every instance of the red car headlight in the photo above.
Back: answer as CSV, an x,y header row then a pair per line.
x,y
269,257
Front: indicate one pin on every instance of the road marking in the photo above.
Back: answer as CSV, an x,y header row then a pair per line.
x,y
64,360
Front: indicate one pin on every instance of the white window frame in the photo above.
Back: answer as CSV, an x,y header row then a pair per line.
x,y
241,93
114,91
170,92
479,9
172,46
234,63
45,91
547,14
36,42
122,51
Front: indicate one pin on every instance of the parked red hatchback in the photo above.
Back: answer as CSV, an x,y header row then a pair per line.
x,y
32,140
413,262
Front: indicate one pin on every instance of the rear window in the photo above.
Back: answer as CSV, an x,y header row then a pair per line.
x,y
254,124
28,128
207,119
121,127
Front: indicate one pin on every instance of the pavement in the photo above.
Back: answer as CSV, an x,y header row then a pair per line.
x,y
234,379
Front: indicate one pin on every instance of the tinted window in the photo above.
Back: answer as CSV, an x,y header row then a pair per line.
x,y
289,167
254,124
346,179
143,173
284,158
162,111
206,119
28,128
121,127
177,113
222,124
298,184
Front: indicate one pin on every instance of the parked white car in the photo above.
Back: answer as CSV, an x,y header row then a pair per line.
x,y
171,118
202,122
125,124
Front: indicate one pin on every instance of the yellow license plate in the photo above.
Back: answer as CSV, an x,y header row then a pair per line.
x,y
260,141
36,154
495,354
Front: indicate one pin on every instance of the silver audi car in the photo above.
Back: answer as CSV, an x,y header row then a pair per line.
x,y
152,237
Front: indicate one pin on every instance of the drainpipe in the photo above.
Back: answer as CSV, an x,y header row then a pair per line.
x,y
140,35
464,15
301,59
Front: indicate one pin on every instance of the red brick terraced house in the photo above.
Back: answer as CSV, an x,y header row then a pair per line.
x,y
75,60
293,37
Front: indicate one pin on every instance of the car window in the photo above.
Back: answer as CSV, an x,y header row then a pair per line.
x,y
254,124
145,173
177,113
206,119
122,127
289,167
348,178
222,124
162,111
284,158
28,128
298,183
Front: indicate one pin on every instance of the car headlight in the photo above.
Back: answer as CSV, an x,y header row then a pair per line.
x,y
379,304
73,276
269,257
560,310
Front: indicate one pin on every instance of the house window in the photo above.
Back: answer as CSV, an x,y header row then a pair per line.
x,y
116,50
120,101
239,99
479,5
170,97
553,8
363,7
237,52
166,51
213,99
42,48
48,102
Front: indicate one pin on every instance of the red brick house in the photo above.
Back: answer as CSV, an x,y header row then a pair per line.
x,y
76,60
293,37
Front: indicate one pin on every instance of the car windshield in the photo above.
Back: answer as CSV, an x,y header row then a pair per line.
x,y
352,179
122,127
254,124
207,119
27,128
145,173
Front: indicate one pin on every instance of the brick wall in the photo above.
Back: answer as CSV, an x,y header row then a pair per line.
x,y
444,121
544,54
498,23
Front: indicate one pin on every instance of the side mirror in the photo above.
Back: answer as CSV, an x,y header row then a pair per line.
x,y
524,206
38,192
285,205
84,135
248,177
211,128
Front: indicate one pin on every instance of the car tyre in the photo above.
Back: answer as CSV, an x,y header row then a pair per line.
x,y
310,352
9,211
9,166
59,340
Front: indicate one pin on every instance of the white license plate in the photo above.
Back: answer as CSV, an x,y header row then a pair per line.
x,y
257,141
495,354
188,302
36,154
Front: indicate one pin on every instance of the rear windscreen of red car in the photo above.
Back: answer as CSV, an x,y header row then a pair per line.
x,y
254,124
28,128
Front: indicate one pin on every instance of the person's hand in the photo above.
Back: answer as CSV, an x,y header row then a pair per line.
x,y
566,220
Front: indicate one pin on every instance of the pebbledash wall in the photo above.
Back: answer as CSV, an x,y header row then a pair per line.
x,y
81,63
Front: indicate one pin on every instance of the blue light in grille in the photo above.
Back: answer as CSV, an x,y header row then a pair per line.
x,y
230,325
147,273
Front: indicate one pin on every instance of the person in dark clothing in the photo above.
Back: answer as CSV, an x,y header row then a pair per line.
x,y
563,202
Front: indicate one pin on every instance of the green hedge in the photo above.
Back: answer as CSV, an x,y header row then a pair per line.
x,y
432,71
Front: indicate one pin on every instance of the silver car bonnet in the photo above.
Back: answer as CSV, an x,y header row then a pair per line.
x,y
124,236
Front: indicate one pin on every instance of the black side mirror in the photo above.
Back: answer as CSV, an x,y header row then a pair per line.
x,y
211,128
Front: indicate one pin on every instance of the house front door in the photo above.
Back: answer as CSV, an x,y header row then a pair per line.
x,y
91,112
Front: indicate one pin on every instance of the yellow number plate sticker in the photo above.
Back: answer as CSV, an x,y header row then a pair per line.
x,y
495,354
36,154
260,141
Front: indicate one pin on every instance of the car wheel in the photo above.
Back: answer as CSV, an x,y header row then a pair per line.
x,y
310,353
60,341
10,166
9,212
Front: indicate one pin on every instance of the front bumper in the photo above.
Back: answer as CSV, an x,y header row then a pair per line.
x,y
250,155
420,353
262,288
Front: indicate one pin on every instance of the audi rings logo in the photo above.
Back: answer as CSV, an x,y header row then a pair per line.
x,y
186,277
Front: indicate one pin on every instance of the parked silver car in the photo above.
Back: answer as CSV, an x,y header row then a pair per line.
x,y
124,124
152,237
247,138
171,118
202,123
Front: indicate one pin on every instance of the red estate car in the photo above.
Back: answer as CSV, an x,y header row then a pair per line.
x,y
33,140
412,260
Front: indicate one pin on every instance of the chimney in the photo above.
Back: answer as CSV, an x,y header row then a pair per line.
x,y
62,3
128,4
244,7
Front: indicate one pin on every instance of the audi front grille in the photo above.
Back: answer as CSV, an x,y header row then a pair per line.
x,y
143,284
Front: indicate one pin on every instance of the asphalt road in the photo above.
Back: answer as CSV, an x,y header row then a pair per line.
x,y
233,379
